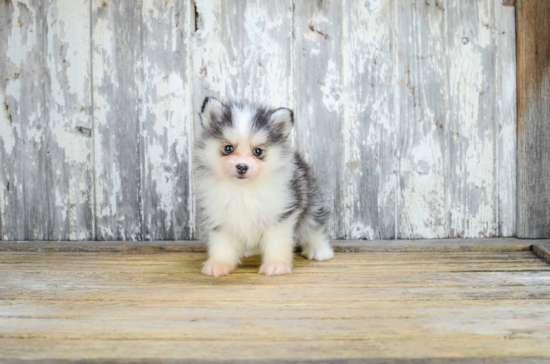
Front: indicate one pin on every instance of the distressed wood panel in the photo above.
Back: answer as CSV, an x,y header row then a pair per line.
x,y
11,216
533,57
506,102
405,110
24,190
318,98
422,104
379,306
369,131
116,51
67,85
471,199
166,117
242,50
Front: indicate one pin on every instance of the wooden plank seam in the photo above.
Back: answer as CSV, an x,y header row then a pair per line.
x,y
540,249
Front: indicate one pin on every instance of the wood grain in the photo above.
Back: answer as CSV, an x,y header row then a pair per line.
x,y
404,351
533,82
505,77
76,306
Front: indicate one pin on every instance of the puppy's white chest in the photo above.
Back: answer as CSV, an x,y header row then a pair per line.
x,y
247,212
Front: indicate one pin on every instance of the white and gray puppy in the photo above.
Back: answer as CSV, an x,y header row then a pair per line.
x,y
256,195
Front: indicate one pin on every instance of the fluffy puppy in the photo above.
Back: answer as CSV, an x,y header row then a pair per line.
x,y
257,196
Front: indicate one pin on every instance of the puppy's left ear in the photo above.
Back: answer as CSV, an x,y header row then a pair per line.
x,y
211,110
283,120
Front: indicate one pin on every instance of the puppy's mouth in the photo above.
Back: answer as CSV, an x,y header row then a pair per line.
x,y
241,177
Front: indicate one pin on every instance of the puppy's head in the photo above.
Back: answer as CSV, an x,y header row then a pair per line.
x,y
242,141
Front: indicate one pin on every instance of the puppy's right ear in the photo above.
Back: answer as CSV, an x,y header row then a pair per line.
x,y
211,110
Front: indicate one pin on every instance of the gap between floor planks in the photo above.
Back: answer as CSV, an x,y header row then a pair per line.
x,y
540,247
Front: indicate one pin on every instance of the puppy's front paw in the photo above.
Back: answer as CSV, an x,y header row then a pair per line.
x,y
319,254
276,268
216,269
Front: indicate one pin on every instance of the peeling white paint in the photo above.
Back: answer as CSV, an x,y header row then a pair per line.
x,y
473,210
115,134
358,231
422,103
6,131
258,70
68,89
166,122
22,39
374,101
331,88
368,125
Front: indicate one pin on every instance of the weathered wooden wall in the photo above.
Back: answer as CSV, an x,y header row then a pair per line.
x,y
533,45
405,108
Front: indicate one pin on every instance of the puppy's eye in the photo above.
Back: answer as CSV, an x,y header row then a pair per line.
x,y
228,149
257,152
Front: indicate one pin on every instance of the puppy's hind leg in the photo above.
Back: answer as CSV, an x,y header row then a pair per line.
x,y
315,243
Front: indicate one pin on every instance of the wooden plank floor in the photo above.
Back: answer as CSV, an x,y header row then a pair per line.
x,y
380,305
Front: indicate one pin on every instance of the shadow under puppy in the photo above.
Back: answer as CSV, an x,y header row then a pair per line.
x,y
257,196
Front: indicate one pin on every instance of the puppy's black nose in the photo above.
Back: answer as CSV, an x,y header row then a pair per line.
x,y
242,168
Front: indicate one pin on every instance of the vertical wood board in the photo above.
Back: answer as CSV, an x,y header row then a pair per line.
x,y
24,193
533,87
69,126
472,185
318,99
369,130
422,103
166,120
506,102
116,50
